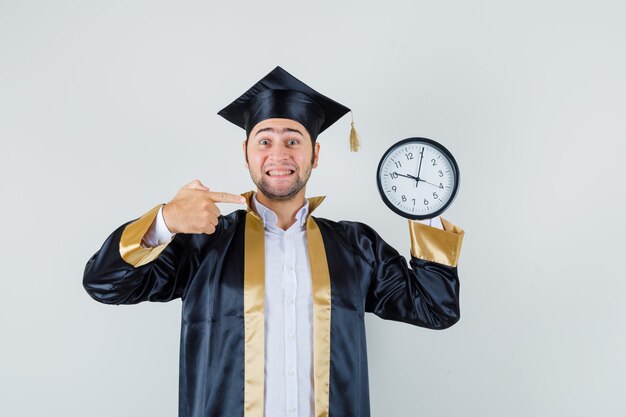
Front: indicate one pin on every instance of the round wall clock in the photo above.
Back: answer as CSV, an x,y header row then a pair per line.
x,y
418,178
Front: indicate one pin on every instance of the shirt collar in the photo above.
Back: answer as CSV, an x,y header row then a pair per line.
x,y
270,218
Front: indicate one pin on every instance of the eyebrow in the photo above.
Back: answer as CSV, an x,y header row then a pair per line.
x,y
271,129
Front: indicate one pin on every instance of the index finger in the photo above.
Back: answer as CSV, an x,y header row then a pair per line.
x,y
220,197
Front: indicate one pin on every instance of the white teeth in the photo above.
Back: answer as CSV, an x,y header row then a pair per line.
x,y
279,172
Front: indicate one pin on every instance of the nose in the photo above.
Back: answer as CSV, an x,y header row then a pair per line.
x,y
279,152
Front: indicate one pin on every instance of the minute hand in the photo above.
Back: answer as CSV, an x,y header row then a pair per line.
x,y
419,170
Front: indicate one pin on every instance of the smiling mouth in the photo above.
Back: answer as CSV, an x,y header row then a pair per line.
x,y
279,173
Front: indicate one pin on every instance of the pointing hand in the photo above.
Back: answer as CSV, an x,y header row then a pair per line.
x,y
193,208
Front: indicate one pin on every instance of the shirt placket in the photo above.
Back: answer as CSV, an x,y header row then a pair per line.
x,y
291,358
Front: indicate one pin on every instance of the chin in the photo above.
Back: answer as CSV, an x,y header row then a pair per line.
x,y
274,193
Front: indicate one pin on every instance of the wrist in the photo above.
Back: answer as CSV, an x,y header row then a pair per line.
x,y
165,218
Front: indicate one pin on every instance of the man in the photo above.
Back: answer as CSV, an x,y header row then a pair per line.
x,y
273,298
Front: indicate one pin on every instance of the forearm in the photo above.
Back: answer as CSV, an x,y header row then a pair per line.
x,y
125,272
426,291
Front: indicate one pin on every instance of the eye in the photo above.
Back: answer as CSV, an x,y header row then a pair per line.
x,y
264,142
293,141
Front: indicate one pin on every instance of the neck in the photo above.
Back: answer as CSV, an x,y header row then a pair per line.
x,y
285,209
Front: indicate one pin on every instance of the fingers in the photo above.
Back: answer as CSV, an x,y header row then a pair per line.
x,y
194,208
195,185
220,197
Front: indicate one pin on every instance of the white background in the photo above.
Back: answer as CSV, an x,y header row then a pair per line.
x,y
107,108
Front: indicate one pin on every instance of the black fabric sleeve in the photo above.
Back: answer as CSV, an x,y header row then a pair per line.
x,y
422,293
110,279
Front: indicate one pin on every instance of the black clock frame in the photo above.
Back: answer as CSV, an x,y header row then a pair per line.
x,y
444,151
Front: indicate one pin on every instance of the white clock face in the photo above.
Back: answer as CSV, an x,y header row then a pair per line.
x,y
418,178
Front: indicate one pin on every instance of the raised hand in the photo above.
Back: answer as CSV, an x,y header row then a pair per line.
x,y
193,209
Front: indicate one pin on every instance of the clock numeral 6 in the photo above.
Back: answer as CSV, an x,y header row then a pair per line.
x,y
425,202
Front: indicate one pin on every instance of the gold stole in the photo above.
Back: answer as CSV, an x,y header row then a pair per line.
x,y
254,320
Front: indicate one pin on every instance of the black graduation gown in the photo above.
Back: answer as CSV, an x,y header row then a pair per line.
x,y
218,339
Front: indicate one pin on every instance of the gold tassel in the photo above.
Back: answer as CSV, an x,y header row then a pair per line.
x,y
355,142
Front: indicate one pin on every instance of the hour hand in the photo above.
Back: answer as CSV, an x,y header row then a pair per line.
x,y
407,176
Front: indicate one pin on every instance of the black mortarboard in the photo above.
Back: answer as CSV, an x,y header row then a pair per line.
x,y
281,95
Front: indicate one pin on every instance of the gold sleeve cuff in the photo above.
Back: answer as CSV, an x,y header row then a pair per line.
x,y
436,245
131,250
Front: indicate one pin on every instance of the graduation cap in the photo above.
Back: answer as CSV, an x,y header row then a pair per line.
x,y
281,95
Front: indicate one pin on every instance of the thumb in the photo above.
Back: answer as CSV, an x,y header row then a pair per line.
x,y
195,185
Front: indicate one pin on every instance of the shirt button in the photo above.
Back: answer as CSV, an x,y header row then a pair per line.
x,y
290,301
290,337
289,268
291,372
292,409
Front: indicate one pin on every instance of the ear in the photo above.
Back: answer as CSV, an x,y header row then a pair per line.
x,y
316,154
245,155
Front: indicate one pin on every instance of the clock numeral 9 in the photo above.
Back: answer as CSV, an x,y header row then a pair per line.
x,y
394,188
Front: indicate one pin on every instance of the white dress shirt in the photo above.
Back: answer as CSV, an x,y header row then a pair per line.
x,y
288,311
288,317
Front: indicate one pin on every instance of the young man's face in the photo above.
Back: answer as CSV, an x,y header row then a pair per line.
x,y
280,157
